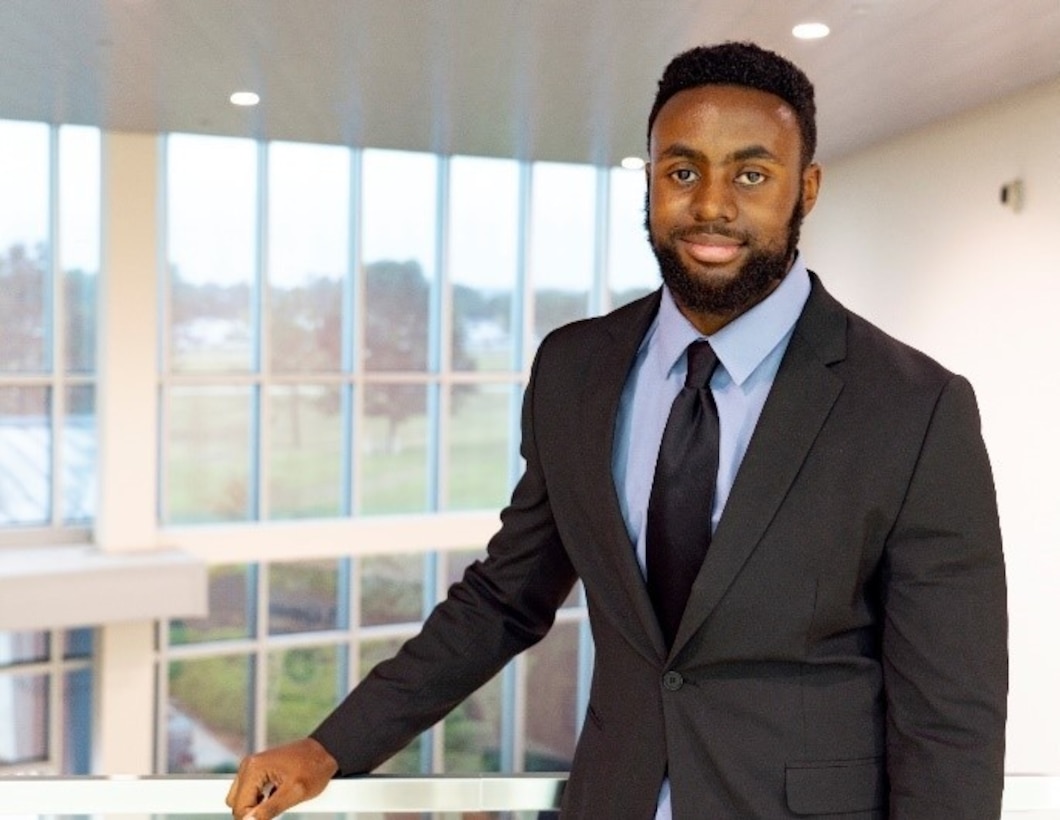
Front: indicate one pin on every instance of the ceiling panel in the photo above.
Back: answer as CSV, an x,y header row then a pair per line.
x,y
541,79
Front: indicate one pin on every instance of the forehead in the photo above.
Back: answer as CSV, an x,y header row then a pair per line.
x,y
726,115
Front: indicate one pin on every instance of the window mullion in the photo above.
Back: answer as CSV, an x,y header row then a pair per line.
x,y
599,296
356,326
258,482
55,334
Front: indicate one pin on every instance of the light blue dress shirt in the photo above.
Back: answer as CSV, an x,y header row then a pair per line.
x,y
749,350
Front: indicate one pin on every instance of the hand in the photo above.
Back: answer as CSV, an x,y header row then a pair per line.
x,y
270,782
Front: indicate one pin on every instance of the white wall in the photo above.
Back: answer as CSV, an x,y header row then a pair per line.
x,y
912,235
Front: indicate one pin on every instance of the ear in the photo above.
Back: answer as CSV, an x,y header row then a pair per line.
x,y
811,184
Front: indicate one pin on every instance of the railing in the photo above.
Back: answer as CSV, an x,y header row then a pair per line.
x,y
37,796
1027,797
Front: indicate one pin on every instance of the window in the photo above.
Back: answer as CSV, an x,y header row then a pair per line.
x,y
49,273
46,701
632,270
347,335
49,264
563,244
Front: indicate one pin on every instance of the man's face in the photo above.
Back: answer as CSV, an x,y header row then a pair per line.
x,y
726,196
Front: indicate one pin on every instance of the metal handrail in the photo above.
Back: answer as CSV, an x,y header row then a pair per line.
x,y
1026,796
173,794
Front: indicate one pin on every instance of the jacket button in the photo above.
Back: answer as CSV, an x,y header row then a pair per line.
x,y
673,680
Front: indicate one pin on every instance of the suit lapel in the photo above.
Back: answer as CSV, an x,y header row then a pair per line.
x,y
801,398
598,404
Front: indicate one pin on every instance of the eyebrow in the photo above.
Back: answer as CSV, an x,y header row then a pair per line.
x,y
752,152
680,150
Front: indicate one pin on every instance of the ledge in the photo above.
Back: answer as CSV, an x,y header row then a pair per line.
x,y
34,796
1026,797
79,585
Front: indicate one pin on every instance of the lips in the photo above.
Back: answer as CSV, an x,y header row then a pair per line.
x,y
711,248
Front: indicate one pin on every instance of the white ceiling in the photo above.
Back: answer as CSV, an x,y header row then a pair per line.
x,y
541,79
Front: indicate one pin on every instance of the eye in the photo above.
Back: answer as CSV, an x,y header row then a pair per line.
x,y
751,178
684,176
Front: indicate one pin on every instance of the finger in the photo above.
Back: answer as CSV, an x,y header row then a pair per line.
x,y
274,803
248,791
233,789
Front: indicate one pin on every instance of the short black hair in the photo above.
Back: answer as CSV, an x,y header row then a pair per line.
x,y
747,65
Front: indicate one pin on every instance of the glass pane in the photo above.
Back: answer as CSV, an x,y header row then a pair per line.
x,y
231,601
391,589
306,451
473,732
562,240
207,719
25,455
209,452
483,260
399,239
479,474
77,729
24,246
552,703
23,647
409,759
24,730
78,643
212,243
457,561
304,685
79,236
304,597
308,230
575,598
79,455
632,270
394,448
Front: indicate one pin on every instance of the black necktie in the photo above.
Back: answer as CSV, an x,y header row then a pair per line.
x,y
682,492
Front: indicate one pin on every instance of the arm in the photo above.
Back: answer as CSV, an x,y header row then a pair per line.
x,y
945,627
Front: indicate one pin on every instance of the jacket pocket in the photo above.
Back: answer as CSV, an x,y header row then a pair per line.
x,y
836,786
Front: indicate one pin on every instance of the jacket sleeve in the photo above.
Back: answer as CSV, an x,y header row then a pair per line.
x,y
945,627
501,606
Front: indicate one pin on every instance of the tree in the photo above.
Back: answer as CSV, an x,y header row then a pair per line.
x,y
23,288
397,335
306,325
306,329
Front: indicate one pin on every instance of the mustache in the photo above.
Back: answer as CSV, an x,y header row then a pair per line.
x,y
715,228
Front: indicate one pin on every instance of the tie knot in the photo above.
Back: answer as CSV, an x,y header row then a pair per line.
x,y
701,363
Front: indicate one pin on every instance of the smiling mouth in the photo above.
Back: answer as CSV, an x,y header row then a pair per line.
x,y
712,249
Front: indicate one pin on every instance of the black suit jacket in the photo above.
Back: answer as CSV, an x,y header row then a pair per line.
x,y
843,652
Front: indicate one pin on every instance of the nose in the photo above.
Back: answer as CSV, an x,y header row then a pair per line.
x,y
714,199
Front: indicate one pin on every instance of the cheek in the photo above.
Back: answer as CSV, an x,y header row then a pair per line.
x,y
661,205
770,218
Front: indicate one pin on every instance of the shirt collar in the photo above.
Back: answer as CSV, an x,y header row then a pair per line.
x,y
743,343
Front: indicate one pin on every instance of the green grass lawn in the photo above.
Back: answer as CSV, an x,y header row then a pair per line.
x,y
209,457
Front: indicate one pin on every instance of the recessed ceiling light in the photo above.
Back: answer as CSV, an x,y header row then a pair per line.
x,y
244,98
632,163
811,31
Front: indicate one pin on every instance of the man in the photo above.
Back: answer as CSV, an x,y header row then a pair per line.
x,y
842,651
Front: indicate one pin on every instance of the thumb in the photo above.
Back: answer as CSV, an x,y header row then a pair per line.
x,y
277,797
270,807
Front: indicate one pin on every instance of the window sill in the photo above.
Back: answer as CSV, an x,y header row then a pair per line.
x,y
79,585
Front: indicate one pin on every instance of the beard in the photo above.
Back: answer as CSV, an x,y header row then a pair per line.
x,y
758,275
